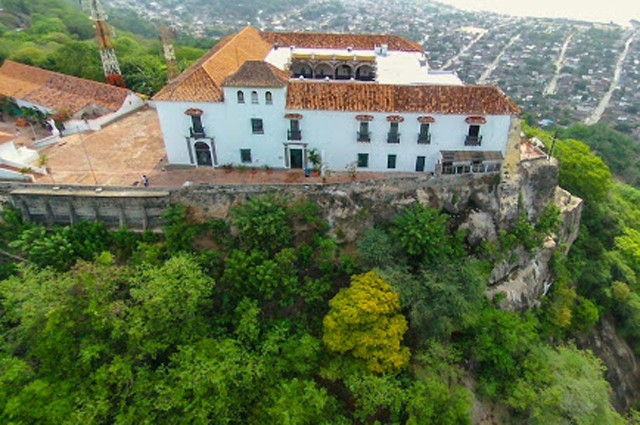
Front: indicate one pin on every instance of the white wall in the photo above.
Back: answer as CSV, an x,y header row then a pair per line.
x,y
131,103
331,133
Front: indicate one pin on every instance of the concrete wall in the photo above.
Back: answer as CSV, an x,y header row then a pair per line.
x,y
135,209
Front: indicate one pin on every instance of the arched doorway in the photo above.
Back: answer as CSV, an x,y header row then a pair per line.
x,y
203,154
365,73
344,72
301,69
323,70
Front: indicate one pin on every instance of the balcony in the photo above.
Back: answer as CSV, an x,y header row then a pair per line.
x,y
393,137
364,136
473,141
294,134
197,133
424,139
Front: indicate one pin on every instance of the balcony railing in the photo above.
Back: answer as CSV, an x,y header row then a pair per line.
x,y
473,141
294,134
393,137
364,136
424,139
197,133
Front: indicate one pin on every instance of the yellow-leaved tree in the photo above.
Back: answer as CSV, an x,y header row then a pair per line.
x,y
365,322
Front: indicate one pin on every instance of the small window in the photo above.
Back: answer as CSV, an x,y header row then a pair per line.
x,y
254,97
240,95
256,126
391,161
245,156
268,98
363,160
424,137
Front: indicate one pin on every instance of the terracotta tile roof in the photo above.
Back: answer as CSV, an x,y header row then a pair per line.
x,y
371,97
202,81
57,91
341,41
257,74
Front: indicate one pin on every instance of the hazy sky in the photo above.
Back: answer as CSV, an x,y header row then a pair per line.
x,y
618,11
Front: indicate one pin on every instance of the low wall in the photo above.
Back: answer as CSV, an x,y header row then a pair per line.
x,y
135,209
349,207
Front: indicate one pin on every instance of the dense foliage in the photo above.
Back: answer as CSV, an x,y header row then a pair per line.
x,y
58,35
264,319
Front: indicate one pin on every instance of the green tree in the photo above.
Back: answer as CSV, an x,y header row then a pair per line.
x,y
364,322
422,233
263,223
564,385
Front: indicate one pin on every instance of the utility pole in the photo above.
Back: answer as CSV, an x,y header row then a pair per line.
x,y
110,64
166,35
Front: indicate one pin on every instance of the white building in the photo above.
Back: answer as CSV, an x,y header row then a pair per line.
x,y
78,104
269,99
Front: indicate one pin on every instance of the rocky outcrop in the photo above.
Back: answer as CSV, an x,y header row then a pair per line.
x,y
623,370
523,278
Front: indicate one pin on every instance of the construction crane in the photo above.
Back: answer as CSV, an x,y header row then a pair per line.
x,y
110,64
166,35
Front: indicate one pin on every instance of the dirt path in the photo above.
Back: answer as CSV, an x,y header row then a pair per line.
x,y
553,84
486,74
604,102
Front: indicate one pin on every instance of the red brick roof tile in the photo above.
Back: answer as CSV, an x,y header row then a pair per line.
x,y
202,81
57,91
257,74
371,97
341,41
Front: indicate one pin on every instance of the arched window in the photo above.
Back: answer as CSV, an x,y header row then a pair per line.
x,y
240,96
254,97
268,98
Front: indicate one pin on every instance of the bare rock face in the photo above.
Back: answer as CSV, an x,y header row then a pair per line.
x,y
623,370
524,277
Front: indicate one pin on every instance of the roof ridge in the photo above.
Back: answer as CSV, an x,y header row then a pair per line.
x,y
228,43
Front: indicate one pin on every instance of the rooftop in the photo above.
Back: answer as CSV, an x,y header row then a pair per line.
x,y
257,74
366,97
58,92
402,63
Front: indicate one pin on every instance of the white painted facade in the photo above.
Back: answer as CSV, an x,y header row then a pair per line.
x,y
228,132
228,129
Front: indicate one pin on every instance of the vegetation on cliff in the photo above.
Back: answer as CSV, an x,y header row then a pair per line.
x,y
264,318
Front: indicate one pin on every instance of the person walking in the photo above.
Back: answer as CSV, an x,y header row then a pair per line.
x,y
145,180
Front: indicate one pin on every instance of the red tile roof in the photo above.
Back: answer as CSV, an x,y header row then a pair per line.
x,y
341,41
257,74
57,91
371,97
202,81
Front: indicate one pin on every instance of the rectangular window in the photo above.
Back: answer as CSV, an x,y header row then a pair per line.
x,y
473,138
424,138
294,132
363,160
197,130
245,156
420,162
363,134
391,161
393,136
256,126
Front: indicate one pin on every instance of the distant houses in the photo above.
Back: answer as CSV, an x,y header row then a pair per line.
x,y
74,103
